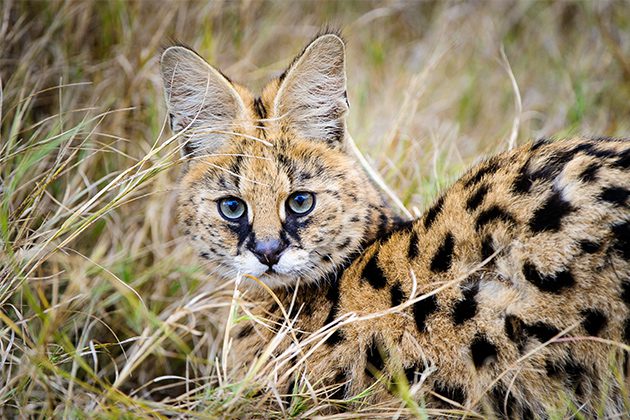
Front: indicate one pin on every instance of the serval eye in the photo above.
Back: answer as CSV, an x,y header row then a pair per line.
x,y
301,203
232,208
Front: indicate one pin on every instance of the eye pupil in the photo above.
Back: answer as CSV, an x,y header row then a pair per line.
x,y
232,208
301,203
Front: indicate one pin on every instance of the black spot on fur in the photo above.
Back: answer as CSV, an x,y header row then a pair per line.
x,y
374,359
594,321
332,294
553,283
204,255
465,309
599,153
335,338
410,373
433,213
493,213
542,331
246,331
489,167
589,247
452,392
549,216
625,292
344,244
487,249
422,309
624,160
475,200
621,233
482,351
522,184
570,372
340,391
515,329
589,174
550,169
414,247
397,294
615,195
383,225
373,273
443,257
538,143
503,401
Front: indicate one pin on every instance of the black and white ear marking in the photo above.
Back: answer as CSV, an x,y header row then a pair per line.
x,y
200,100
312,96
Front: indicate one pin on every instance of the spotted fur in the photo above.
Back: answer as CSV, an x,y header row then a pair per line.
x,y
509,297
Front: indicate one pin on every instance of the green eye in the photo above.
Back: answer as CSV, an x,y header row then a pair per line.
x,y
232,208
301,202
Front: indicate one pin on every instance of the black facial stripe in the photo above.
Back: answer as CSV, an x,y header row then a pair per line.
x,y
242,229
552,283
286,165
293,224
236,168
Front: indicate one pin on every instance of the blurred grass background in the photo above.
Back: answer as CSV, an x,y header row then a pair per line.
x,y
102,309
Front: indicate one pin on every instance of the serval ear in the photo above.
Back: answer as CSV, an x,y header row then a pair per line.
x,y
200,100
311,98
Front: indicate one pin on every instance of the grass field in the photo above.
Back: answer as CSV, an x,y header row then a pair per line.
x,y
103,311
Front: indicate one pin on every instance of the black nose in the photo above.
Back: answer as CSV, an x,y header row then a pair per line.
x,y
268,252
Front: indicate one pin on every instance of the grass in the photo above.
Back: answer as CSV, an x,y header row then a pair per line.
x,y
103,310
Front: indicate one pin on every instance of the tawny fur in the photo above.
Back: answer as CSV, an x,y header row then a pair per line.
x,y
510,296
